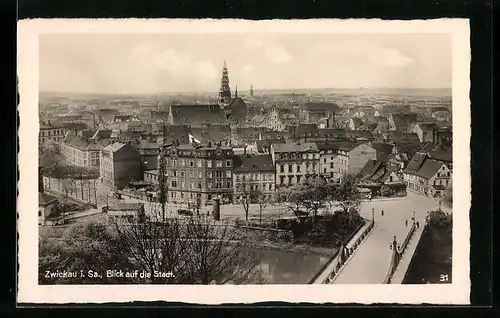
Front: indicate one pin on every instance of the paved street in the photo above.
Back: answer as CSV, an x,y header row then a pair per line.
x,y
370,263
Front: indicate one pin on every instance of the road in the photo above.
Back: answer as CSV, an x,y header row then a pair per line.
x,y
370,263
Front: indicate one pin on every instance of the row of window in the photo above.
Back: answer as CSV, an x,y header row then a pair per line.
x,y
255,177
289,167
199,163
293,179
53,132
191,174
218,184
254,187
309,156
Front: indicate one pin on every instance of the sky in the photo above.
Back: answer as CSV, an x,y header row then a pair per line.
x,y
154,63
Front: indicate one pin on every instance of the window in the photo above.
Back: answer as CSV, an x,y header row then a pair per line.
x,y
324,170
271,186
331,165
182,174
174,183
191,163
289,168
298,168
310,156
229,184
282,168
237,178
209,185
228,163
174,162
182,194
282,179
447,174
324,160
209,163
209,197
199,163
209,174
228,174
183,162
218,174
218,185
200,175
219,164
183,184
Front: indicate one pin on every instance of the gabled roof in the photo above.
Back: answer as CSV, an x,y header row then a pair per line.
x,y
376,171
402,121
384,150
114,147
415,163
438,152
253,163
295,147
45,199
198,115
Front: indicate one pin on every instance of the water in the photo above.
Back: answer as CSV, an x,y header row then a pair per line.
x,y
285,267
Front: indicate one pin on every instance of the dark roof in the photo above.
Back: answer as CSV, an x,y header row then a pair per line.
x,y
375,171
146,144
360,134
198,115
404,138
172,133
415,163
357,121
403,121
238,109
438,152
251,163
75,126
159,115
429,168
428,126
304,130
298,147
266,143
45,199
212,132
384,150
334,133
343,145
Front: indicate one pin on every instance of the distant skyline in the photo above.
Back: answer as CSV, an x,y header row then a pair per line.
x,y
152,64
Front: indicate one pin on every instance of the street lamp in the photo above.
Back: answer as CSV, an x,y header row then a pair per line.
x,y
413,216
373,215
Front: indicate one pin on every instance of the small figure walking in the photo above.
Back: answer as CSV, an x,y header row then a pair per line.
x,y
382,212
406,223
418,225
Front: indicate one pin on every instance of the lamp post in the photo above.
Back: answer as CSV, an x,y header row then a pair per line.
x,y
413,217
373,215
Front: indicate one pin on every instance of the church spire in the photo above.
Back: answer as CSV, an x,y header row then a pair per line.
x,y
251,90
225,90
236,92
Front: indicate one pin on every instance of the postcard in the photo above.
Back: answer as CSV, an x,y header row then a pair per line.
x,y
233,161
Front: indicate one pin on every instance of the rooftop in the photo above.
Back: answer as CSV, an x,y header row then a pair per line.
x,y
253,163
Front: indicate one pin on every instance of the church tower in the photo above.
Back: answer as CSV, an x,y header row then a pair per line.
x,y
225,90
251,90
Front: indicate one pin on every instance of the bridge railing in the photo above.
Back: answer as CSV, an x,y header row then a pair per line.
x,y
341,257
398,254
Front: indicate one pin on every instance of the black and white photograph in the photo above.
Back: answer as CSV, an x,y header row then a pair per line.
x,y
249,156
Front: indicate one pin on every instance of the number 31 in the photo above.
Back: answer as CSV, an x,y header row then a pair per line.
x,y
443,278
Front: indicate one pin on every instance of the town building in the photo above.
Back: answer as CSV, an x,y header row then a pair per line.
x,y
125,212
50,131
295,163
83,148
313,112
48,205
402,122
120,164
151,176
427,176
196,174
149,152
379,173
426,132
253,175
237,110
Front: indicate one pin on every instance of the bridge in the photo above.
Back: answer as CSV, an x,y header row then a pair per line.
x,y
372,262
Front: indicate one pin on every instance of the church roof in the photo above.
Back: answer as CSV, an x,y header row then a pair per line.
x,y
198,115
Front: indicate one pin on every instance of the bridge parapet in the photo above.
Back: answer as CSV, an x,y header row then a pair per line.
x,y
337,263
398,252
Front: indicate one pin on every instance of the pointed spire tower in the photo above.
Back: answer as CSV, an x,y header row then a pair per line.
x,y
236,92
251,90
225,90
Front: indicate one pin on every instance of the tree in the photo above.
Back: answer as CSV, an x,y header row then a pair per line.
x,y
162,181
263,202
89,245
249,191
346,194
303,199
68,185
447,198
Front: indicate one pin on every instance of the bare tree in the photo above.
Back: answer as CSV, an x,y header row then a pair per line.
x,y
347,194
247,188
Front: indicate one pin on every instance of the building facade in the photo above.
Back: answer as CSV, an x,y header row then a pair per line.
x,y
295,163
253,176
120,164
50,132
198,174
427,176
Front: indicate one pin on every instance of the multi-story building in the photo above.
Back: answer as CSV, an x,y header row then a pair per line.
x,y
427,176
197,174
344,157
83,149
120,164
50,131
253,176
295,163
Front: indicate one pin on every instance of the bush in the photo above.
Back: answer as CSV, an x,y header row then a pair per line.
x,y
386,191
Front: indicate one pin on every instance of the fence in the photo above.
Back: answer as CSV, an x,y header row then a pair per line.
x,y
398,254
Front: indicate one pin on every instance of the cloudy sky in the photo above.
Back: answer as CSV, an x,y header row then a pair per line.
x,y
189,62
